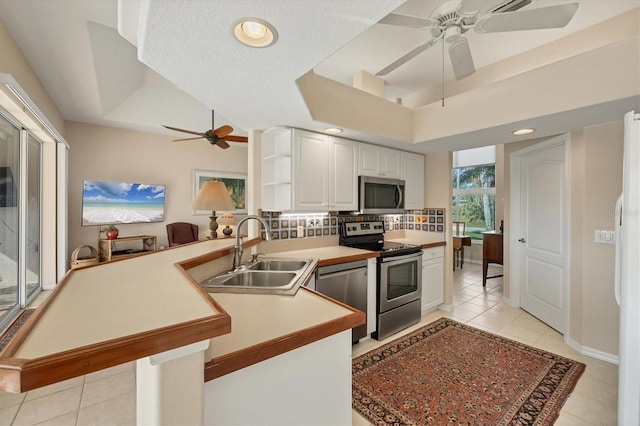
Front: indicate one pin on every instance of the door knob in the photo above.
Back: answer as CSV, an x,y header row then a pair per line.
x,y
522,240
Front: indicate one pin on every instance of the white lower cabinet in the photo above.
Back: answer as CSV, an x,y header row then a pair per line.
x,y
432,278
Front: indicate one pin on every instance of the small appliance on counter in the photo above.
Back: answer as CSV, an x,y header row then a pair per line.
x,y
399,276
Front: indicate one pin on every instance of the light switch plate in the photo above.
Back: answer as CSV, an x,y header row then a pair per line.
x,y
605,237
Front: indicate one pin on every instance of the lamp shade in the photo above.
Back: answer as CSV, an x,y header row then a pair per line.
x,y
227,219
213,195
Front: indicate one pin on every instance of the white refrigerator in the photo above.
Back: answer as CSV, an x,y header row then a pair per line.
x,y
627,281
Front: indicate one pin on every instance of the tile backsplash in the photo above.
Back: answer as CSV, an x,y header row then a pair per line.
x,y
288,226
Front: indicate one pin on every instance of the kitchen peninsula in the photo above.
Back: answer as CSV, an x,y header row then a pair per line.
x,y
148,309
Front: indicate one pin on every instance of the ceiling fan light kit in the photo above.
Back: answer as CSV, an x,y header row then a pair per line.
x,y
255,32
454,18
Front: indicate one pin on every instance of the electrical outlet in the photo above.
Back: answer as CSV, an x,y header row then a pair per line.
x,y
300,231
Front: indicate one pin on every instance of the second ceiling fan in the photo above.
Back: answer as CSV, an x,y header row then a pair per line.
x,y
455,17
218,136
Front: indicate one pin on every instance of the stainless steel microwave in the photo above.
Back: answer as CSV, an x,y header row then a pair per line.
x,y
380,195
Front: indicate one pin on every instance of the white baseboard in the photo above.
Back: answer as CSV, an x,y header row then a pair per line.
x,y
590,352
446,308
509,302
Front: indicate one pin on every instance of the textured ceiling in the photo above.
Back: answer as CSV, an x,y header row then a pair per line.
x,y
141,64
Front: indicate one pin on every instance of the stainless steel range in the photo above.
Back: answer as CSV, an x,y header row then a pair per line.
x,y
399,278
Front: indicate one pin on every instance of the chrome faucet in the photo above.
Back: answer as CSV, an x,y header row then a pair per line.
x,y
237,256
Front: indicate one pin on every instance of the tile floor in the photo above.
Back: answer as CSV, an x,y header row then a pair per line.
x,y
108,397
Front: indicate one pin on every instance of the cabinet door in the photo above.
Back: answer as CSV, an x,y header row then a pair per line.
x,y
343,177
311,171
389,163
368,164
432,283
413,175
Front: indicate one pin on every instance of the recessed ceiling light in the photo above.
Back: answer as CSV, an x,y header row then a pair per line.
x,y
523,132
255,32
333,130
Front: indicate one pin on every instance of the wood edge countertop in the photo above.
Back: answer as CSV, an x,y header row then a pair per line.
x,y
109,314
265,326
69,336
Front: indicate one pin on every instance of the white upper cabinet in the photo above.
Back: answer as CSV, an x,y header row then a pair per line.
x,y
343,179
379,161
310,171
306,171
413,175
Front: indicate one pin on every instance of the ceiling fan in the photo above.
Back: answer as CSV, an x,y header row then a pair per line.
x,y
219,136
455,17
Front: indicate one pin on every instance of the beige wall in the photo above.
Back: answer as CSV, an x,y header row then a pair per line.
x,y
595,183
119,155
438,193
14,63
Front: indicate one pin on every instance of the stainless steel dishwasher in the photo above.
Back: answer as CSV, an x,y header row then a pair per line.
x,y
346,283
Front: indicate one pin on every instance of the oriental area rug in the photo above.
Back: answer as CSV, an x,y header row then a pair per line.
x,y
449,373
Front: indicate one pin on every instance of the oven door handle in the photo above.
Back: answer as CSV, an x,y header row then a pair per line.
x,y
401,258
398,196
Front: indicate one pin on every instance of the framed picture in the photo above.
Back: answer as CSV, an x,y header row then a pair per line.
x,y
236,184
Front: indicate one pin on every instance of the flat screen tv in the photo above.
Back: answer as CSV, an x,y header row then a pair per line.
x,y
106,203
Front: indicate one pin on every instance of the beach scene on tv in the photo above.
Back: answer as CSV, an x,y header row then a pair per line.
x,y
113,203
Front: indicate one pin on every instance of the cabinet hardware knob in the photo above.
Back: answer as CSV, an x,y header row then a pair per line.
x,y
522,240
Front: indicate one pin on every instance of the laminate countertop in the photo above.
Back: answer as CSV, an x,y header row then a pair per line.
x,y
116,312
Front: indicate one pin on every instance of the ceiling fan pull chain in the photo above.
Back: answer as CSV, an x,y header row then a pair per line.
x,y
443,72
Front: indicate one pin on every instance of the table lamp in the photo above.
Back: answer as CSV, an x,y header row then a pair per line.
x,y
213,195
226,220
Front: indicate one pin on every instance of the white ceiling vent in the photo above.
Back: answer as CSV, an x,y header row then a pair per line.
x,y
510,6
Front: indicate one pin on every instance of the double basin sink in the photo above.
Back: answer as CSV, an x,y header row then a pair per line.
x,y
266,275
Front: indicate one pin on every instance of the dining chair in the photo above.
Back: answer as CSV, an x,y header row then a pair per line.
x,y
181,233
460,239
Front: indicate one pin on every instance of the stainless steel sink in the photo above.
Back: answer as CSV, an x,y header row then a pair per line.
x,y
277,265
266,276
258,279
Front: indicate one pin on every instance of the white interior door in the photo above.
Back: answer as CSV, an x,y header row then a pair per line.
x,y
541,232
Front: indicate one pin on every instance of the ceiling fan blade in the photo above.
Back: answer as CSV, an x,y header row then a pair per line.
x,y
183,130
406,57
223,131
234,138
407,21
556,16
461,59
187,139
222,143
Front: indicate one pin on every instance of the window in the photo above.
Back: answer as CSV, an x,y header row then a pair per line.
x,y
474,192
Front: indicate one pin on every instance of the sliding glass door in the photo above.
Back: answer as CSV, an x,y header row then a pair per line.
x,y
20,218
32,249
9,217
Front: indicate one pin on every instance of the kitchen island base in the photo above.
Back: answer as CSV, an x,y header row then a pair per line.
x,y
310,385
169,386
